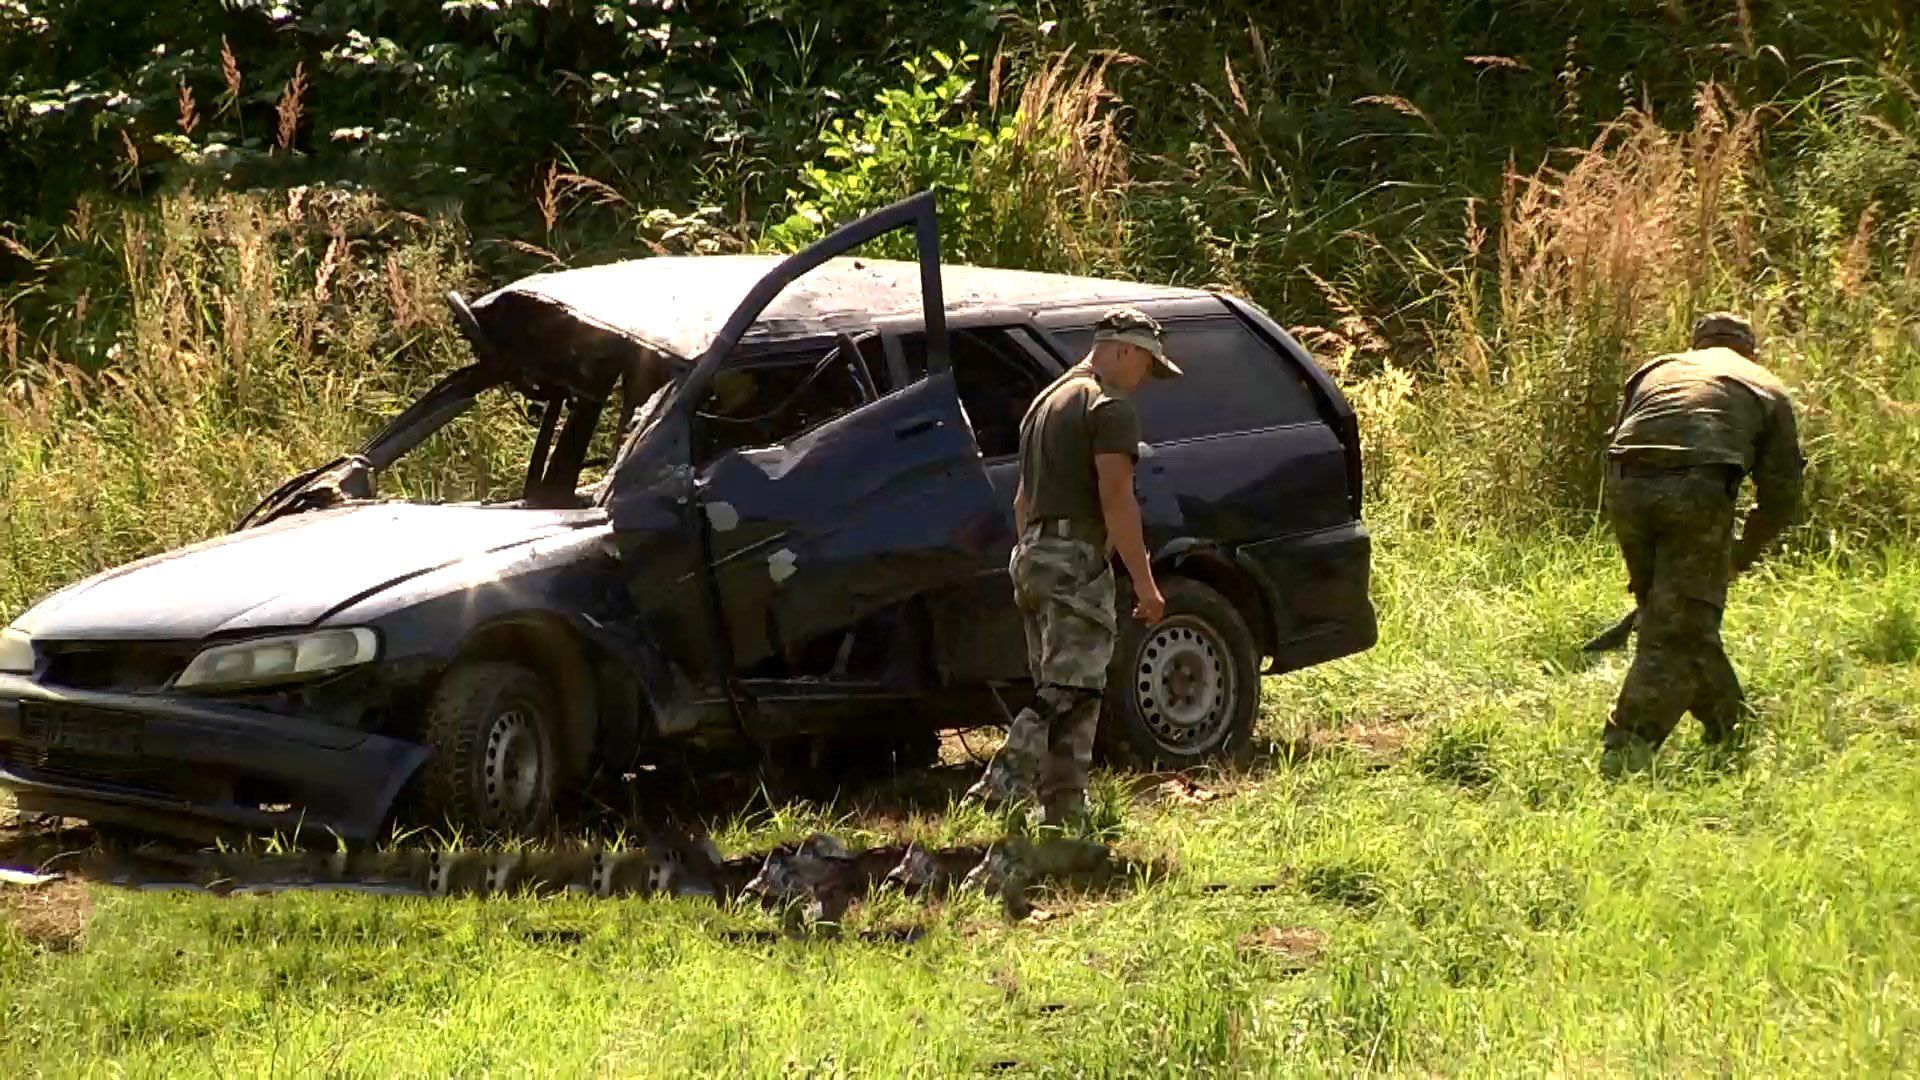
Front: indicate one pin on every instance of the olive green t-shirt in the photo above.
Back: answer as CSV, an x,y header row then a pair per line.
x,y
1070,422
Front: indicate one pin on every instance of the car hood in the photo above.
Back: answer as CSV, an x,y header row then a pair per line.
x,y
291,573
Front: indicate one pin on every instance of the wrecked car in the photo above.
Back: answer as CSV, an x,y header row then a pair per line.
x,y
801,542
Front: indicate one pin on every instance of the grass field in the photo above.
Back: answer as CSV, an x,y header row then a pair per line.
x,y
1424,873
1423,870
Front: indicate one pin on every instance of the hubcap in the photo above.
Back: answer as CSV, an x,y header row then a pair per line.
x,y
1184,684
512,767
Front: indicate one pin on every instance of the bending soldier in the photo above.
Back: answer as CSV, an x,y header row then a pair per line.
x,y
1074,508
1691,427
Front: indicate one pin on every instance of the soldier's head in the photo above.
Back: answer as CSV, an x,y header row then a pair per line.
x,y
1129,348
1725,330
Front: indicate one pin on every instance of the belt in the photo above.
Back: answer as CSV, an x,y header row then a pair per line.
x,y
1717,471
1727,476
1071,529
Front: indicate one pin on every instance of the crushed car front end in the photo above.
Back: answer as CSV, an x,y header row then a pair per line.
x,y
270,680
273,679
103,730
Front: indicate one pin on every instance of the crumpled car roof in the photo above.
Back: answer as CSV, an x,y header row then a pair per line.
x,y
678,304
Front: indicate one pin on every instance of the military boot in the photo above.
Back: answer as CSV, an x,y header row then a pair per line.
x,y
1001,787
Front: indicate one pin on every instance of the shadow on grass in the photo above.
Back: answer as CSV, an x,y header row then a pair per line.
x,y
811,884
644,833
692,797
44,846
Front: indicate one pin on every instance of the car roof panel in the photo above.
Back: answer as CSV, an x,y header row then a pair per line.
x,y
677,304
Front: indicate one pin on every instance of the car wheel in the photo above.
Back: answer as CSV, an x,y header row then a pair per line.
x,y
1184,691
490,730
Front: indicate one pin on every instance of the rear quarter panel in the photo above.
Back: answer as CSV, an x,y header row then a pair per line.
x,y
1271,486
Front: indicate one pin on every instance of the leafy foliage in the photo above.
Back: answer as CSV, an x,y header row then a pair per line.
x,y
425,100
919,137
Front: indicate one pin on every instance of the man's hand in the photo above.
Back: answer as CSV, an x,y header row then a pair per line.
x,y
1148,605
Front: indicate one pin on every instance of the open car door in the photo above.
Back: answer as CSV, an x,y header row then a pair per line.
x,y
862,512
877,504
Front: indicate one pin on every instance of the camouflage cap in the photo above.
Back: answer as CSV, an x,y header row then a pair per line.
x,y
1136,327
1725,328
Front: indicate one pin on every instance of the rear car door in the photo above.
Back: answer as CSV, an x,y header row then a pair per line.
x,y
1001,362
1238,450
1254,453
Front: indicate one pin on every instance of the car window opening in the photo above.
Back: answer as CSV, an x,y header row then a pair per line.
x,y
774,398
997,380
1232,382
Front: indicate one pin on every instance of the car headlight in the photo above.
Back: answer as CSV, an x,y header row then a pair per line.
x,y
278,659
16,652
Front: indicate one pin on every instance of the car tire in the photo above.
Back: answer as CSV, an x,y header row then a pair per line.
x,y
490,730
1185,691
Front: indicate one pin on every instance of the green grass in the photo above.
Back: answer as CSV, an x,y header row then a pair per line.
x,y
1488,902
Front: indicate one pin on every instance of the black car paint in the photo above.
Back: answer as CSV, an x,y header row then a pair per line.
x,y
1275,508
340,773
847,520
660,609
324,775
288,574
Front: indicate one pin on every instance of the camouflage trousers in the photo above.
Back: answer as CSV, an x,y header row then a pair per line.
x,y
1064,589
1676,531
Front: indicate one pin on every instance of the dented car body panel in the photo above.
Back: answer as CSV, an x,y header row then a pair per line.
x,y
862,513
169,772
804,531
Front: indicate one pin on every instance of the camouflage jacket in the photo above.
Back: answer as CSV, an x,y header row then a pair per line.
x,y
1715,407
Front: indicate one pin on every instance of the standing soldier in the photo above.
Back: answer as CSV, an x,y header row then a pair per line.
x,y
1691,427
1075,506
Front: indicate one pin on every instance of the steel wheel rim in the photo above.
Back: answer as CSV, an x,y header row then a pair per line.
x,y
1183,684
512,767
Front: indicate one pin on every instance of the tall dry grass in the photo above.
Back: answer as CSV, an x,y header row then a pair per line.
x,y
1053,183
238,340
1601,262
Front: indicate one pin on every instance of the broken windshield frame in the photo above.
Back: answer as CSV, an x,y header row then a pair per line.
x,y
559,447
448,398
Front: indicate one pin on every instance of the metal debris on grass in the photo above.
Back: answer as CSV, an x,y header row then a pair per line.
x,y
813,882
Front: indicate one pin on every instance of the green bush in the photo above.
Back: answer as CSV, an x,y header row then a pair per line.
x,y
920,137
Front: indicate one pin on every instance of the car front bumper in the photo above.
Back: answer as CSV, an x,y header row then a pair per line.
x,y
193,767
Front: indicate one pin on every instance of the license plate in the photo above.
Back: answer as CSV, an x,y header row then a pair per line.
x,y
81,731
